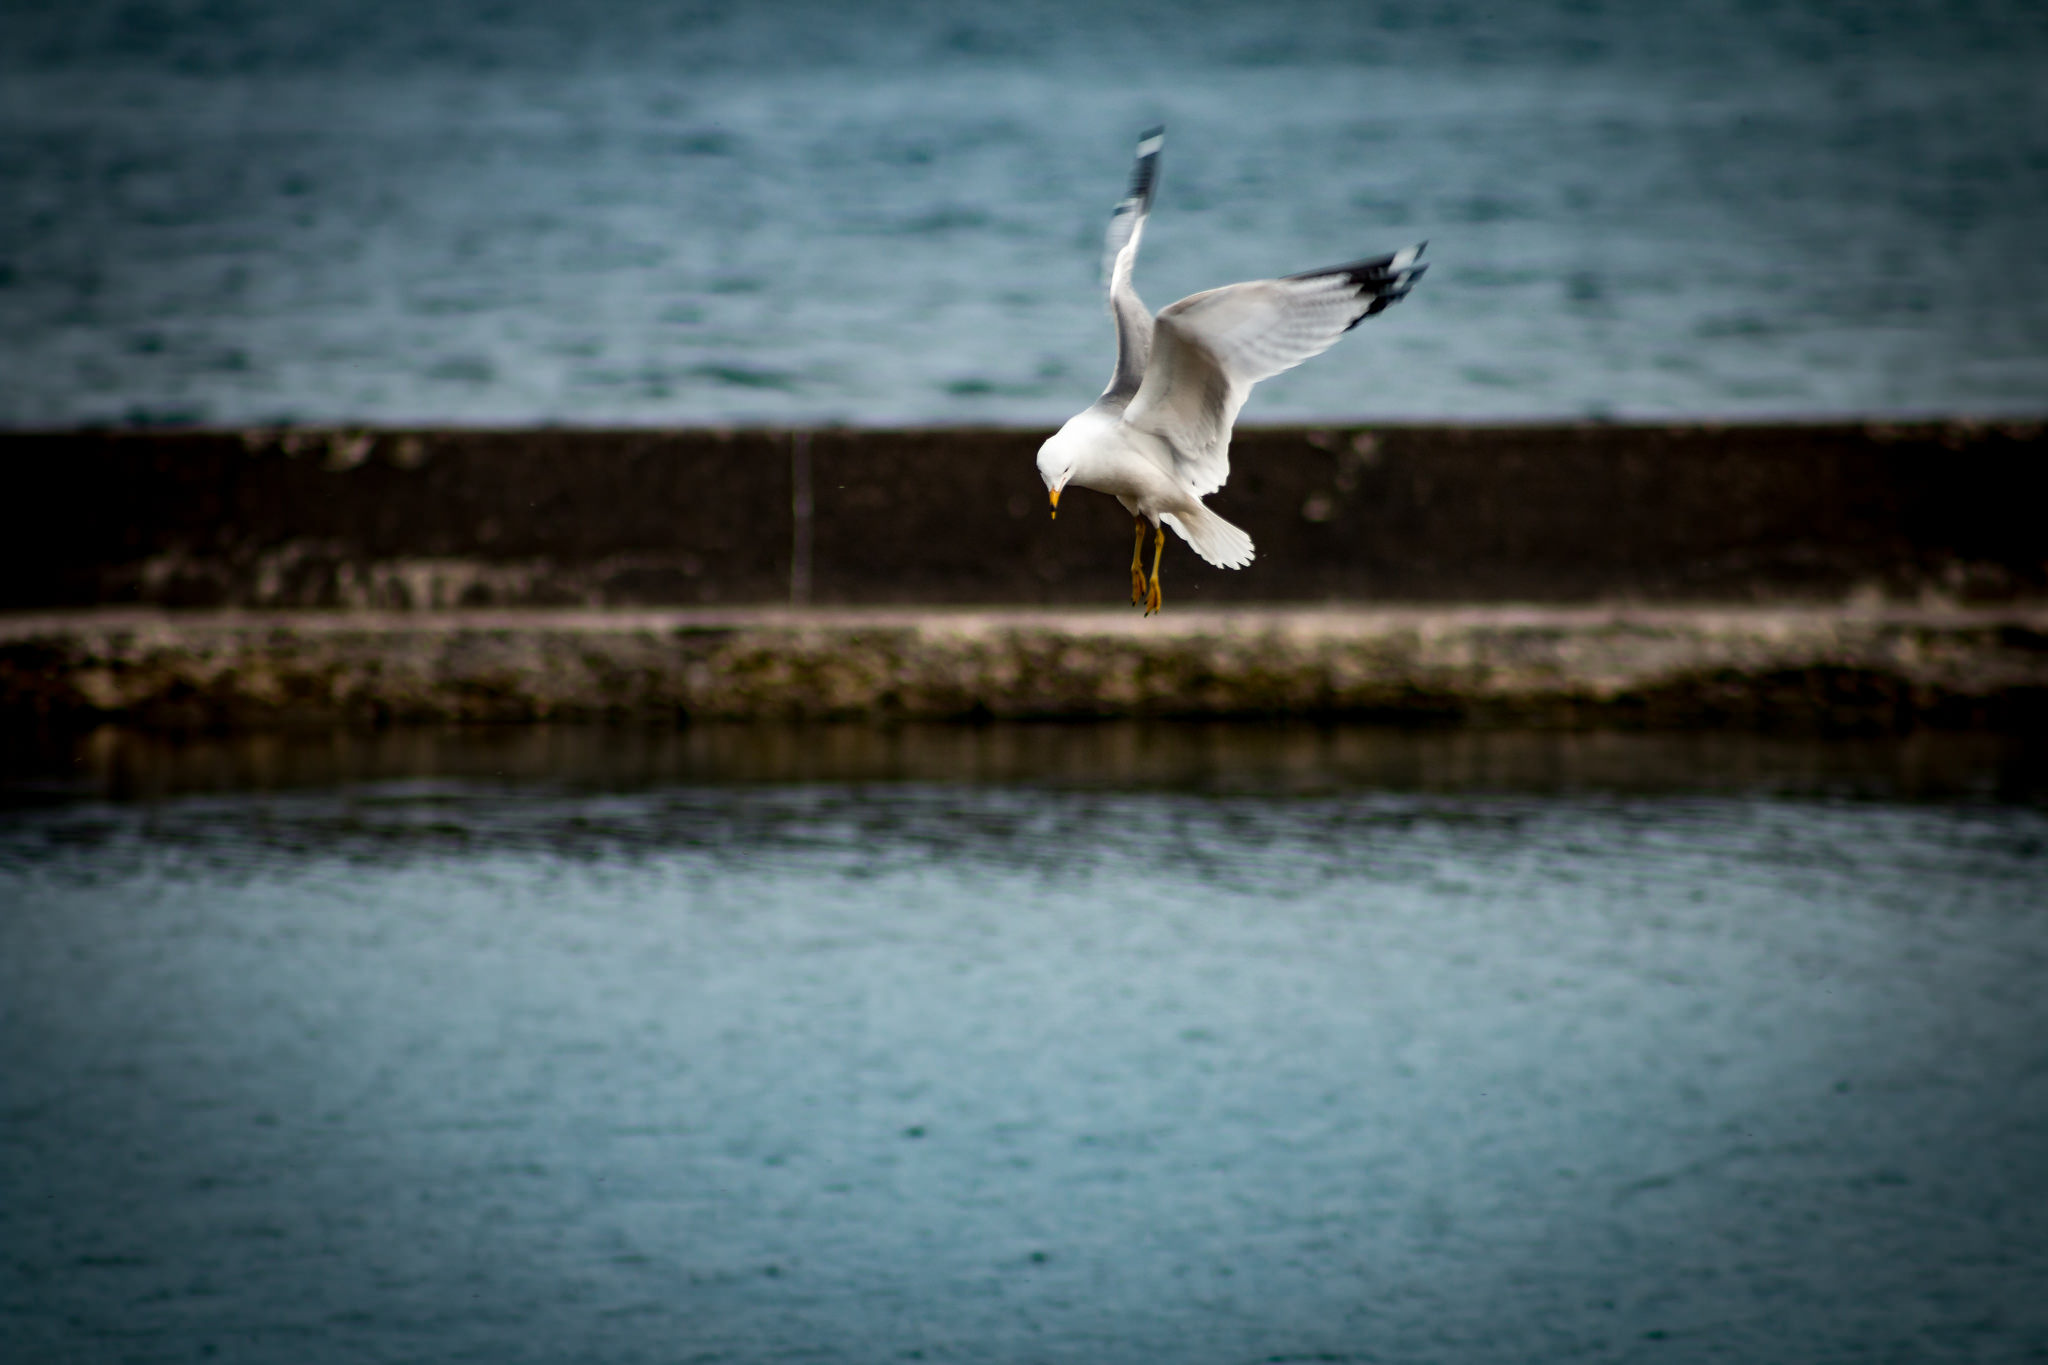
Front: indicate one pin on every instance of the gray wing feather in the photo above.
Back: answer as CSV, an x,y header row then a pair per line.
x,y
1210,348
1120,252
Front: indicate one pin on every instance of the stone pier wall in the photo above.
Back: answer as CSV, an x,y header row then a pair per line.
x,y
1555,514
1846,575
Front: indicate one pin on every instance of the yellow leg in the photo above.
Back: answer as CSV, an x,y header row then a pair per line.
x,y
1152,600
1137,572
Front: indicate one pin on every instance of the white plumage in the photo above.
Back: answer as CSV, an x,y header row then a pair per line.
x,y
1158,439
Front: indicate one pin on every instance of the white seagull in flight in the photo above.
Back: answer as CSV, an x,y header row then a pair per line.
x,y
1158,439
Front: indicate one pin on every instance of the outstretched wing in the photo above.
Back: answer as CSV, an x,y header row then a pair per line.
x,y
1210,348
1120,253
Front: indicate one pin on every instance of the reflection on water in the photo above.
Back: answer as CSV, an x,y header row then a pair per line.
x,y
1215,757
1114,1043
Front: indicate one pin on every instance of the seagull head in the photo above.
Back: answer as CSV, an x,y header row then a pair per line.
x,y
1056,460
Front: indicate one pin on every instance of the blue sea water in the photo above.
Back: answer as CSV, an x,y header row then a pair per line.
x,y
1114,1044
513,211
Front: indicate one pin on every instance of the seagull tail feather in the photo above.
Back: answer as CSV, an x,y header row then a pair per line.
x,y
1213,538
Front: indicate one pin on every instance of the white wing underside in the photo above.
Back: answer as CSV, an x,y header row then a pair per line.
x,y
1210,348
1183,376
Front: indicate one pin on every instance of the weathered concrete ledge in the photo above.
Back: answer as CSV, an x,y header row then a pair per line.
x,y
553,517
1547,666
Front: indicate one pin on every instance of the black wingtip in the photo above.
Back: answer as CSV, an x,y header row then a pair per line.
x,y
1381,281
1146,169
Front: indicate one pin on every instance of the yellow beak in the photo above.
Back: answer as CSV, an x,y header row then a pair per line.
x,y
1055,504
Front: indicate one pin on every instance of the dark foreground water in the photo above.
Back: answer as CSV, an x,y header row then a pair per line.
x,y
641,211
1106,1044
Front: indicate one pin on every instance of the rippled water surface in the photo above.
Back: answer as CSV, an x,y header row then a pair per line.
x,y
650,212
1110,1044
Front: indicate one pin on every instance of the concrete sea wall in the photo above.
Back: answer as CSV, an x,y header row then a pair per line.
x,y
435,519
1861,576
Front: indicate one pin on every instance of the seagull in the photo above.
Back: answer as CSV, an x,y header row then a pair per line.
x,y
1158,439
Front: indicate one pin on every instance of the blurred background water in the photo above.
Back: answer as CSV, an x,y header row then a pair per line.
x,y
512,211
1114,1043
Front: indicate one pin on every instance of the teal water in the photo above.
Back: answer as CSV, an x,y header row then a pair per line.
x,y
638,212
1024,1044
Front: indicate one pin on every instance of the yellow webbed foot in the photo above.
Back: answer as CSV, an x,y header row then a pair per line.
x,y
1137,569
1152,598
